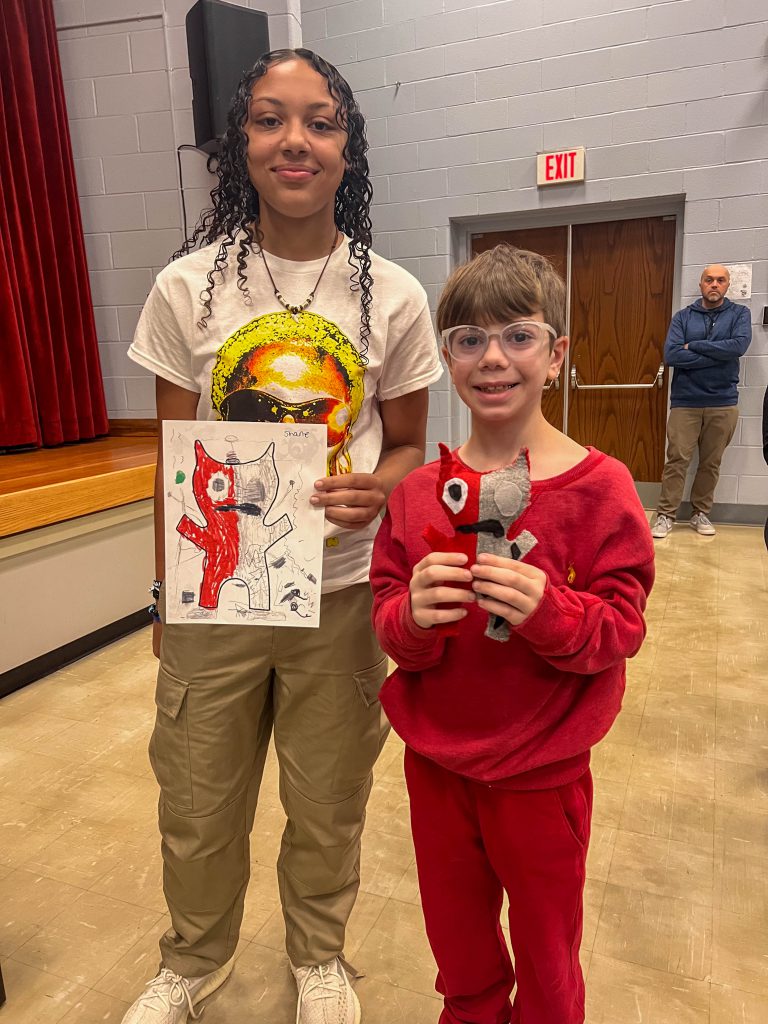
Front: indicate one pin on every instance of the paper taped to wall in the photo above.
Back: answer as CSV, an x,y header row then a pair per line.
x,y
741,281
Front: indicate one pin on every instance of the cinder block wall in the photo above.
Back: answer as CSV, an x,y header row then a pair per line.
x,y
129,100
668,97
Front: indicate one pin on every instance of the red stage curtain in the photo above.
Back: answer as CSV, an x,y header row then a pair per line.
x,y
51,388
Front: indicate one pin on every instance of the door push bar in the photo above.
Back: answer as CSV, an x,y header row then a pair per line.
x,y
553,384
657,382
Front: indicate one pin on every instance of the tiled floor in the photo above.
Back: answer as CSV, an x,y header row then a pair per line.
x,y
677,897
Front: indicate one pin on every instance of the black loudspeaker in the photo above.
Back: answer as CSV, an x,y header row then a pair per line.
x,y
223,42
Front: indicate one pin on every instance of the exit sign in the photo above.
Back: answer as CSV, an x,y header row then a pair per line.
x,y
564,165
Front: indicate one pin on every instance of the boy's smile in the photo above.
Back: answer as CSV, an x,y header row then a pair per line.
x,y
494,389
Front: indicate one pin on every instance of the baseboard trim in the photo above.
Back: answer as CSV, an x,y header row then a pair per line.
x,y
723,512
31,671
133,428
730,515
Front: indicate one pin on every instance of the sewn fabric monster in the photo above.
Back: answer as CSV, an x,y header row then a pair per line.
x,y
235,499
483,509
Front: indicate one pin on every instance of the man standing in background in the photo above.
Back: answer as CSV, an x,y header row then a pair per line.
x,y
704,344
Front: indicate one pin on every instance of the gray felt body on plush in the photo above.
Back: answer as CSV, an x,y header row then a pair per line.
x,y
504,495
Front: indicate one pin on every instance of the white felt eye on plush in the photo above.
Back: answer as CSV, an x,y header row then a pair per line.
x,y
455,494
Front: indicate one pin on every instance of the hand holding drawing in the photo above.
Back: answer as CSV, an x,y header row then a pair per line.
x,y
430,587
352,500
508,588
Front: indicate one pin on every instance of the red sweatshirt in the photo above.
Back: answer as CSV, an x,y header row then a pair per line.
x,y
522,713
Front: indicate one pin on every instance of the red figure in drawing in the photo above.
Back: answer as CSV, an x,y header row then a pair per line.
x,y
234,499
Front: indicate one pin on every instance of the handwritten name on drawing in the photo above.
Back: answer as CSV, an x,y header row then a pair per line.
x,y
296,433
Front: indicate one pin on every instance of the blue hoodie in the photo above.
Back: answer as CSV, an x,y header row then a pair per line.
x,y
707,372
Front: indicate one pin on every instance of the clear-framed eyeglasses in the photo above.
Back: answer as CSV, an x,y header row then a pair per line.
x,y
518,339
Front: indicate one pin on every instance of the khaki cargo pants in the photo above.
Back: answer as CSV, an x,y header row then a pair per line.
x,y
710,430
221,692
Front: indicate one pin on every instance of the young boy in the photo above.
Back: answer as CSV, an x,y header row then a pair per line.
x,y
510,580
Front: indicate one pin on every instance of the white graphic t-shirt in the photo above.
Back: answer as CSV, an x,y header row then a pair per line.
x,y
257,362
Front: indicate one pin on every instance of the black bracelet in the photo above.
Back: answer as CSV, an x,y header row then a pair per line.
x,y
153,613
155,589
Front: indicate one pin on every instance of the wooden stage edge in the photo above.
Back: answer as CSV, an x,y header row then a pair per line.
x,y
52,485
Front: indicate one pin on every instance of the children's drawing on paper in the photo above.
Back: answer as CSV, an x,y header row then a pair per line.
x,y
243,544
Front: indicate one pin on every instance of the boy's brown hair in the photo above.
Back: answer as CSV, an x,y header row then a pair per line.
x,y
500,285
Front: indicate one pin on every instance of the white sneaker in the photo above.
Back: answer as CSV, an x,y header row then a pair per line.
x,y
325,995
171,999
701,524
662,524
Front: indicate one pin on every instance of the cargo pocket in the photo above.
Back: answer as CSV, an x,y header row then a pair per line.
x,y
169,746
369,682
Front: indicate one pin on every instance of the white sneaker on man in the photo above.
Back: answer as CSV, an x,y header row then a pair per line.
x,y
325,995
702,525
171,999
661,525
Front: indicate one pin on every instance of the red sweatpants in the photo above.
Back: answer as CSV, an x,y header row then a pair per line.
x,y
474,841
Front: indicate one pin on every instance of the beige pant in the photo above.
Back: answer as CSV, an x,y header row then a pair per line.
x,y
221,691
709,429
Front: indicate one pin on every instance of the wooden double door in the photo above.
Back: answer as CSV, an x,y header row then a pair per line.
x,y
612,390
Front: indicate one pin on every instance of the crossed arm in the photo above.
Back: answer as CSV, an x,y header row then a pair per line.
x,y
677,354
696,355
727,348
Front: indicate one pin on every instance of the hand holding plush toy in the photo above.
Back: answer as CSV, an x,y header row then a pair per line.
x,y
485,554
508,589
439,590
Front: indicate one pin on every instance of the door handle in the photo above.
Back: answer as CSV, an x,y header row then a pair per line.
x,y
657,382
553,384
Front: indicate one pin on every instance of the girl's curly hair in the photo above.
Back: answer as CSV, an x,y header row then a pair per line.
x,y
235,202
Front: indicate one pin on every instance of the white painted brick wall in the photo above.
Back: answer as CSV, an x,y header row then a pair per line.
x,y
129,102
427,124
139,248
148,51
438,93
90,176
586,131
94,56
392,39
98,252
669,97
143,172
80,97
132,94
396,158
156,132
449,152
607,97
104,136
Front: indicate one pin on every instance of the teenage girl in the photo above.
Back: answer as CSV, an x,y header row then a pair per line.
x,y
284,314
